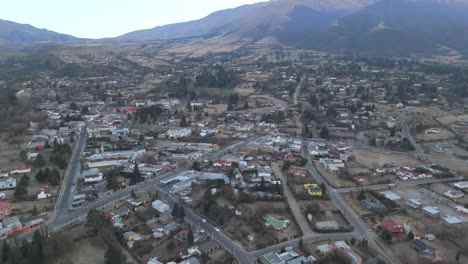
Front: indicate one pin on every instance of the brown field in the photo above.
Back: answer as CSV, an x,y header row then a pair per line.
x,y
377,158
443,135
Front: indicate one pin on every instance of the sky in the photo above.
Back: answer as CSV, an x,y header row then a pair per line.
x,y
108,18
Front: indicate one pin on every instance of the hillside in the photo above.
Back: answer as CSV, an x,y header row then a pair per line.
x,y
377,27
19,35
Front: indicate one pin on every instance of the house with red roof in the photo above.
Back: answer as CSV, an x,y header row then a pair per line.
x,y
394,226
20,169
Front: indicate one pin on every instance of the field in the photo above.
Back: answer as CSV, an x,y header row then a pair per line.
x,y
444,134
251,222
378,158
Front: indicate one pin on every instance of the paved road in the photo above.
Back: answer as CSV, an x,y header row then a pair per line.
x,y
291,200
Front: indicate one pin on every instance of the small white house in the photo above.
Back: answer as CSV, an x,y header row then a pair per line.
x,y
43,195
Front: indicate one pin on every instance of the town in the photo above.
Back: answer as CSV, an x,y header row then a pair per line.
x,y
263,154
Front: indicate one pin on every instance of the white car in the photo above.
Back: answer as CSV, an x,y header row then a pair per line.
x,y
203,220
217,229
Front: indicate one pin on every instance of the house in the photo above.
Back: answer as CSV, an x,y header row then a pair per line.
x,y
394,226
208,246
341,248
414,203
182,235
178,133
160,206
8,184
425,251
43,195
92,175
313,189
454,194
461,185
451,220
275,223
373,205
4,174
4,208
154,261
132,236
296,172
20,169
327,225
391,195
271,258
431,211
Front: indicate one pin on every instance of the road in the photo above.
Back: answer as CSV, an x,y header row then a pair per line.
x,y
406,132
291,200
299,87
400,184
347,211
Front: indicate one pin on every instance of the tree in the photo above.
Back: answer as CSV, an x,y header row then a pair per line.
x,y
113,256
361,195
133,194
325,133
196,166
171,245
190,237
457,257
183,122
301,244
23,155
136,175
386,236
324,188
96,219
39,162
353,241
286,165
175,210
34,211
410,235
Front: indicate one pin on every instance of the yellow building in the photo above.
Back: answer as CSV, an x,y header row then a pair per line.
x,y
313,189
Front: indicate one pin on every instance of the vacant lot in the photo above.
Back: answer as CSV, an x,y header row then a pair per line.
x,y
378,158
443,135
251,222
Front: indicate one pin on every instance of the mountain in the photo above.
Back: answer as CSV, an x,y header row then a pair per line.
x,y
378,27
19,35
400,27
281,19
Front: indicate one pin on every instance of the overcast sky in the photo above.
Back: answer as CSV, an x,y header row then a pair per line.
x,y
108,18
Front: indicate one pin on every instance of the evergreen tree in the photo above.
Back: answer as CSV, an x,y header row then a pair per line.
x,y
39,162
23,155
175,210
136,175
190,237
113,256
410,235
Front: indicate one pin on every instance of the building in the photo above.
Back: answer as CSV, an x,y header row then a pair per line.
x,y
160,206
178,133
8,184
454,194
391,195
394,226
4,208
208,246
313,189
425,251
451,220
92,175
327,225
20,169
341,248
461,185
431,211
414,203
373,205
277,224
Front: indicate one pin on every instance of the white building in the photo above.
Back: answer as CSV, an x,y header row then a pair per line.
x,y
92,175
160,206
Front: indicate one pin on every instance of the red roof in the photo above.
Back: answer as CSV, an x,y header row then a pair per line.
x,y
4,207
394,226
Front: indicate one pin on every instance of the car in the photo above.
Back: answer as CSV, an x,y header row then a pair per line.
x,y
203,220
217,229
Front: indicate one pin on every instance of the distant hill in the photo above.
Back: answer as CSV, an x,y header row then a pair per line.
x,y
395,27
19,35
278,18
381,27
